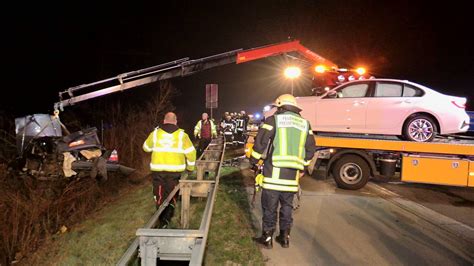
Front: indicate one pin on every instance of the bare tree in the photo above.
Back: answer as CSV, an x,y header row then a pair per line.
x,y
132,124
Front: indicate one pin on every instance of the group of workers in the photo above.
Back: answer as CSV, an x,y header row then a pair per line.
x,y
234,126
283,143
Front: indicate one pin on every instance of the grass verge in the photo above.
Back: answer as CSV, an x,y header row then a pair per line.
x,y
102,239
230,236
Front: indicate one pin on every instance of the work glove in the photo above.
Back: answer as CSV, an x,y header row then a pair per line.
x,y
258,181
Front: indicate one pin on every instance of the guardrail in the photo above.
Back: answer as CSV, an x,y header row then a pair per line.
x,y
181,244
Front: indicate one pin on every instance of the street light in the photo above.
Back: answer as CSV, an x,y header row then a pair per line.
x,y
292,72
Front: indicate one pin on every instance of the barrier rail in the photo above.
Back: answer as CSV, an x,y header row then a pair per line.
x,y
181,244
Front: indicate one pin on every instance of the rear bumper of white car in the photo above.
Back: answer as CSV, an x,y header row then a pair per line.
x,y
457,124
465,125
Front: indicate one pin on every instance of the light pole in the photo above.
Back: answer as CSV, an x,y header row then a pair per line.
x,y
292,72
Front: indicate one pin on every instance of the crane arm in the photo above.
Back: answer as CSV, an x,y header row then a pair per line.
x,y
180,68
281,48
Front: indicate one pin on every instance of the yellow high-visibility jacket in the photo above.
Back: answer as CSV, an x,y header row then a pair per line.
x,y
197,129
171,152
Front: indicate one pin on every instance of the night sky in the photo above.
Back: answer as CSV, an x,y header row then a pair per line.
x,y
51,47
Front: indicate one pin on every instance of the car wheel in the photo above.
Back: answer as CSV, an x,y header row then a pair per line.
x,y
420,128
351,172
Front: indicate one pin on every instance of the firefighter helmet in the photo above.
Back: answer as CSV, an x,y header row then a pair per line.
x,y
286,99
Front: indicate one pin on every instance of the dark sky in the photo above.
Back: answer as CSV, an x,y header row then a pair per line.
x,y
51,47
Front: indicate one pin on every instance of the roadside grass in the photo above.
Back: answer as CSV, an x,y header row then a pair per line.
x,y
104,237
230,236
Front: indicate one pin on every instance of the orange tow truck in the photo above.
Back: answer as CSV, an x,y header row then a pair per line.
x,y
353,159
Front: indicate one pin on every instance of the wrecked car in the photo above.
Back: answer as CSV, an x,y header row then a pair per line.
x,y
43,151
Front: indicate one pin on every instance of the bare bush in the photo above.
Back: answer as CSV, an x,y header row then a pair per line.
x,y
30,210
7,137
132,124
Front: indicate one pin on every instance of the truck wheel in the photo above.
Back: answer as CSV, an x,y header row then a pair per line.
x,y
351,172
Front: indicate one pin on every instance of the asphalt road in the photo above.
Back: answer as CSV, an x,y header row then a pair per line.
x,y
339,227
454,202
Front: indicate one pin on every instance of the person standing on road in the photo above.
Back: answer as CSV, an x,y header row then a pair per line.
x,y
204,130
286,145
172,152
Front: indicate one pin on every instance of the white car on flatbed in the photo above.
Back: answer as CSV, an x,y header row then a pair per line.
x,y
386,106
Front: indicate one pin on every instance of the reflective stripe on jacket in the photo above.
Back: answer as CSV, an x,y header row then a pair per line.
x,y
171,152
282,179
197,129
290,139
286,138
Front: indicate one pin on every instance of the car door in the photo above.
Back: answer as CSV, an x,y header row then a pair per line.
x,y
343,109
388,108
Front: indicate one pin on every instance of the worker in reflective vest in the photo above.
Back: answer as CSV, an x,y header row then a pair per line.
x,y
172,152
204,130
286,145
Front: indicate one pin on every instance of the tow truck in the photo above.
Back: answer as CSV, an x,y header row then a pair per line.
x,y
351,160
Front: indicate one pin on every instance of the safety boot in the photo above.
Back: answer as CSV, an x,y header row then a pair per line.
x,y
284,238
266,239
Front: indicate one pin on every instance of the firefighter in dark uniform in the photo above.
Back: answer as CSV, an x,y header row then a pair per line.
x,y
228,127
285,143
240,128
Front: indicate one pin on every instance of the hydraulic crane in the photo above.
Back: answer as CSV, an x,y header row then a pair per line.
x,y
186,66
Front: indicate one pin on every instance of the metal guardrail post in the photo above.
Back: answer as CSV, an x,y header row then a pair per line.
x,y
182,244
185,204
199,171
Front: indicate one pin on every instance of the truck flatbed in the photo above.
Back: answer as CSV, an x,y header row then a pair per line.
x,y
459,147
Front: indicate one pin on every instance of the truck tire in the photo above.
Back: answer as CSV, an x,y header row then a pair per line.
x,y
351,172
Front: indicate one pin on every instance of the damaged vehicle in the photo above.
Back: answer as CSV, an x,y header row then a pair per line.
x,y
43,151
